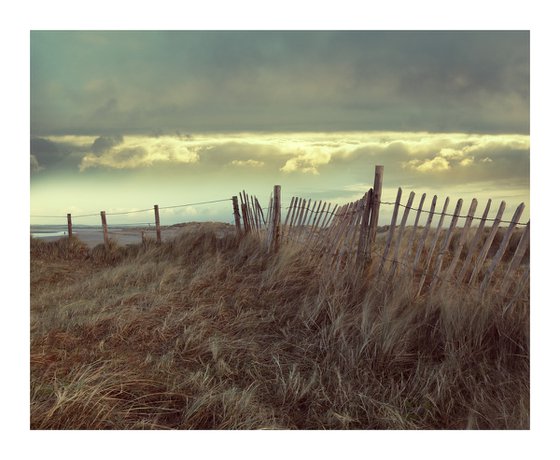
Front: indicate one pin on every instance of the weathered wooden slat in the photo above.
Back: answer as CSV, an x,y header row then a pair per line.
x,y
323,228
374,219
486,247
295,209
503,246
158,228
342,231
289,213
298,226
391,230
408,251
338,226
343,246
363,251
462,239
260,213
105,230
244,214
517,258
236,215
274,227
445,244
433,246
401,233
424,233
246,225
269,210
308,214
474,243
285,227
256,212
316,219
355,225
69,220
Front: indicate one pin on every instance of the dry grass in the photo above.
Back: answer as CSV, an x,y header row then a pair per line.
x,y
206,332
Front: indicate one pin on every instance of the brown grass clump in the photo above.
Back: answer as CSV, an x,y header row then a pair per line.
x,y
208,332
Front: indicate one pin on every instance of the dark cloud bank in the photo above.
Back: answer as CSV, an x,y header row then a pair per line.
x,y
145,82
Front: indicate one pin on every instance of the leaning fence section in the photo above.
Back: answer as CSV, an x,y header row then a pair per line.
x,y
479,252
455,243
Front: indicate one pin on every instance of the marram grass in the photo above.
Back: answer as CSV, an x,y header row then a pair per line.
x,y
206,332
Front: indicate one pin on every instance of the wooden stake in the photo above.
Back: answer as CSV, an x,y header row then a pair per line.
x,y
424,233
484,251
503,246
401,232
391,230
462,239
433,246
377,189
363,252
316,219
236,215
276,219
445,245
474,243
69,218
408,251
105,231
517,257
158,228
246,225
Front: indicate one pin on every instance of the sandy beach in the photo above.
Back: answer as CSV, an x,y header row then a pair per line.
x,y
123,236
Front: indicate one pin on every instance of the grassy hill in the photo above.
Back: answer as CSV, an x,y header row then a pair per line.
x,y
208,332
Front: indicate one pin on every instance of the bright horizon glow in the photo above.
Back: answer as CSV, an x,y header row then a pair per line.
x,y
131,172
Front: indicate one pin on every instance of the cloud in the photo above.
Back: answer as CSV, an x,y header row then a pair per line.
x,y
249,163
307,163
104,143
215,81
121,153
435,164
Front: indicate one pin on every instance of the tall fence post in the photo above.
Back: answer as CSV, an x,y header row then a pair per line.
x,y
69,217
274,225
158,228
105,231
236,215
377,188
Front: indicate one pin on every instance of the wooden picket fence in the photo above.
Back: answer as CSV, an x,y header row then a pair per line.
x,y
479,257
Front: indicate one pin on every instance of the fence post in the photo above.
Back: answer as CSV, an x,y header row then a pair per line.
x,y
377,188
236,215
503,246
158,228
274,226
69,217
105,231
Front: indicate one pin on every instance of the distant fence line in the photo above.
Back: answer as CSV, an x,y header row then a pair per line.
x,y
106,232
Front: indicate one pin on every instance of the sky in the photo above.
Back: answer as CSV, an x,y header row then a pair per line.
x,y
121,121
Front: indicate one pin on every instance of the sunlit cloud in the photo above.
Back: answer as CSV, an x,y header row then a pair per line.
x,y
248,163
141,152
311,154
307,163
